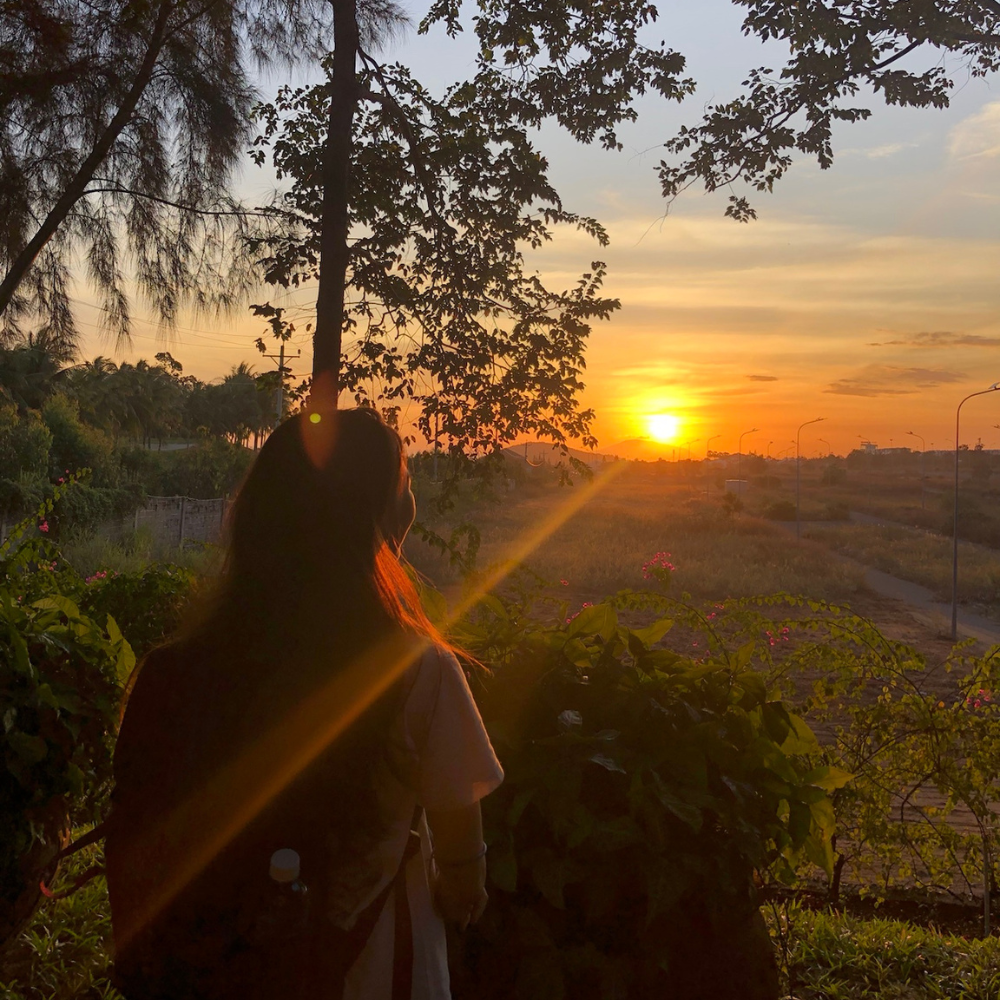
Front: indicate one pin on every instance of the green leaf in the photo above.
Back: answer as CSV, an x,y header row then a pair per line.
x,y
743,655
801,740
608,763
652,634
45,696
828,778
577,653
56,602
551,875
777,724
600,620
818,846
30,749
688,814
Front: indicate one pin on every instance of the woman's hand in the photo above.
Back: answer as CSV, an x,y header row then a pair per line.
x,y
460,892
460,859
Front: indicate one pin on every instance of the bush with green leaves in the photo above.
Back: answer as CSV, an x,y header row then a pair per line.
x,y
644,790
212,468
75,445
61,673
64,659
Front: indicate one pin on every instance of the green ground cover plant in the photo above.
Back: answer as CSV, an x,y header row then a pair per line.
x,y
833,956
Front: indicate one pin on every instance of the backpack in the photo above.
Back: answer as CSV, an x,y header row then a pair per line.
x,y
196,943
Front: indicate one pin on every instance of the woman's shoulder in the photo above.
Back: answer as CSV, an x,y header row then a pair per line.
x,y
436,666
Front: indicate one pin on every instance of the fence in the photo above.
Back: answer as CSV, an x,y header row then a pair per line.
x,y
176,520
171,521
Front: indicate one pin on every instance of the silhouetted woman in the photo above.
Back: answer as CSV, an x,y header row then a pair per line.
x,y
310,705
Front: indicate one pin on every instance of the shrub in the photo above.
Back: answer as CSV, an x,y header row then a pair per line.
x,y
147,605
837,510
24,444
643,790
834,475
77,446
60,678
83,507
780,510
211,468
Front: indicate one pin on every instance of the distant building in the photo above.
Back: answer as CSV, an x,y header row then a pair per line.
x,y
869,447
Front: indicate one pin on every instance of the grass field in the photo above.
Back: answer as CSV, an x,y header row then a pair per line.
x,y
920,556
627,518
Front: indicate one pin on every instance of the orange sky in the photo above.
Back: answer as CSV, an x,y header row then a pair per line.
x,y
866,294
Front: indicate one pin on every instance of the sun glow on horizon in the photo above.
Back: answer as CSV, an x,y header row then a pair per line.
x,y
663,427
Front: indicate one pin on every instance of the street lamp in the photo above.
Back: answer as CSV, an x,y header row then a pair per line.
x,y
739,458
954,560
708,443
798,475
923,448
829,449
691,442
769,443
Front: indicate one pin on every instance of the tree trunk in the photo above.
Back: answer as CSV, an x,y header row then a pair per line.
x,y
78,183
334,250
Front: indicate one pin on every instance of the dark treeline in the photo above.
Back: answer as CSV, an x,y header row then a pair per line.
x,y
114,419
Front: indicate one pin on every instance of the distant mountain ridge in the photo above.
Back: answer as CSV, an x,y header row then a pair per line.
x,y
547,453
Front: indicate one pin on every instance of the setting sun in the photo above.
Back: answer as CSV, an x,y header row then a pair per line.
x,y
664,426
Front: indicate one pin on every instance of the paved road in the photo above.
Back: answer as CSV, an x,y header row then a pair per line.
x,y
928,611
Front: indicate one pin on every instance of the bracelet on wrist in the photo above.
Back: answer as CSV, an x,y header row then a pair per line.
x,y
461,864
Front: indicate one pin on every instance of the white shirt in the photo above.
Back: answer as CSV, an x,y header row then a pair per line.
x,y
455,767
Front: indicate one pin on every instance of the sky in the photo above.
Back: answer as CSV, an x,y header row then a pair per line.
x,y
866,295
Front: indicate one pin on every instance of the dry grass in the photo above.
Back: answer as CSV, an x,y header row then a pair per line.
x,y
921,557
602,547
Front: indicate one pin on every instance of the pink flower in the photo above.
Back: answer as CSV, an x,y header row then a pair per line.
x,y
565,583
658,568
44,526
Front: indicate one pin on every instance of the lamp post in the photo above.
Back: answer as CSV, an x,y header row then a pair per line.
x,y
691,442
829,449
769,443
708,444
739,458
954,559
923,448
798,474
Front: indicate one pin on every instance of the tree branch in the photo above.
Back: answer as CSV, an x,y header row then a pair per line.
x,y
175,204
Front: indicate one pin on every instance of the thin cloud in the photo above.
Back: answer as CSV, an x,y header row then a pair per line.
x,y
889,380
978,136
763,378
940,338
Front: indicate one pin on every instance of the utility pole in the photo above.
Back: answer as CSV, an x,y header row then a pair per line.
x,y
280,402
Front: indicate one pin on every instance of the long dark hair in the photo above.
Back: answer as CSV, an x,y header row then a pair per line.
x,y
310,588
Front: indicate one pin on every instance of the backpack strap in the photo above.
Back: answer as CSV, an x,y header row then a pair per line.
x,y
353,942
